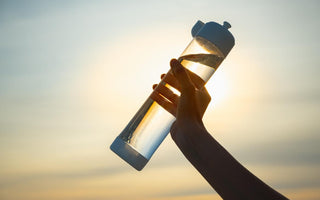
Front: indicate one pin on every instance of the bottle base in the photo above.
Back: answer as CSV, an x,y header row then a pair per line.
x,y
128,154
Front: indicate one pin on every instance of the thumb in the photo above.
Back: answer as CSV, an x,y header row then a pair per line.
x,y
187,107
182,76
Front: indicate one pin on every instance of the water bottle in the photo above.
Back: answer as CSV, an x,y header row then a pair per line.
x,y
151,124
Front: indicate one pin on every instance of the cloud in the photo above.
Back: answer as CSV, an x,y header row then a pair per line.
x,y
284,151
63,175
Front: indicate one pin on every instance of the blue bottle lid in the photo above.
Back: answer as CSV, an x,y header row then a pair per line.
x,y
217,34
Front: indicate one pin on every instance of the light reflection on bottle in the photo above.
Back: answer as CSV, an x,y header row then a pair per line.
x,y
151,124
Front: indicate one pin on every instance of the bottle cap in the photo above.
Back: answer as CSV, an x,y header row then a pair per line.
x,y
217,34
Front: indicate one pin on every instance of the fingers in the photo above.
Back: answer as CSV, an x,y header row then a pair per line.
x,y
171,80
187,108
154,86
196,80
164,102
165,98
182,76
189,84
167,93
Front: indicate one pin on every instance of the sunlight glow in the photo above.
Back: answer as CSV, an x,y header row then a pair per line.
x,y
219,87
74,73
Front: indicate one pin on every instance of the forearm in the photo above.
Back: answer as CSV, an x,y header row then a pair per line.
x,y
224,173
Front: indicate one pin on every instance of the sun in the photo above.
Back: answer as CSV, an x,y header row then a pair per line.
x,y
219,87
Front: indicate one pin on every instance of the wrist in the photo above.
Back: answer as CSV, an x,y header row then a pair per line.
x,y
187,131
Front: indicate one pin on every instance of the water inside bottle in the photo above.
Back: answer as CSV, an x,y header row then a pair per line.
x,y
204,65
152,123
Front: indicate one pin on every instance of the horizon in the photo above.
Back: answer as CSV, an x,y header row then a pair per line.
x,y
74,73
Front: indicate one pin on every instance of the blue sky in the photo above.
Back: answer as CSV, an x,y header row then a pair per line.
x,y
72,74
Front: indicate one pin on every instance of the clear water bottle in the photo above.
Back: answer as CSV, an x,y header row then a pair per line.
x,y
151,124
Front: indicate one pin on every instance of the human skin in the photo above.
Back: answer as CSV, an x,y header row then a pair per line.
x,y
223,172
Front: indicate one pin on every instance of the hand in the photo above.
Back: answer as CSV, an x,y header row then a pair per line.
x,y
189,107
222,171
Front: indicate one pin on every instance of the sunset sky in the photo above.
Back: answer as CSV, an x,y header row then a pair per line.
x,y
73,73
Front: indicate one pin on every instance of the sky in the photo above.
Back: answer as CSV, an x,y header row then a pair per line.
x,y
73,74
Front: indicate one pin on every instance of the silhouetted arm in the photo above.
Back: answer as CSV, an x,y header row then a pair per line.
x,y
224,173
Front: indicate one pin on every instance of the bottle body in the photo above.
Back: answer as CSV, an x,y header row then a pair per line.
x,y
151,124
